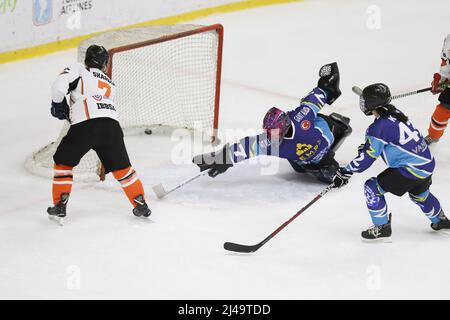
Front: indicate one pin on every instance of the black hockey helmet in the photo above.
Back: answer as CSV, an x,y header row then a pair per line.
x,y
96,57
373,97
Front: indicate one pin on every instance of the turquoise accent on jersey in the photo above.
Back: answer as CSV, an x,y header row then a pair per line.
x,y
400,145
321,125
397,157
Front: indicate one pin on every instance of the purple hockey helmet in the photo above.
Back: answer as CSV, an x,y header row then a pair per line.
x,y
276,124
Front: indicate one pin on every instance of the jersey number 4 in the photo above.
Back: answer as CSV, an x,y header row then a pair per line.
x,y
406,134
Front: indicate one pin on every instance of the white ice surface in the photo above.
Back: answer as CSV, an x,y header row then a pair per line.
x,y
272,56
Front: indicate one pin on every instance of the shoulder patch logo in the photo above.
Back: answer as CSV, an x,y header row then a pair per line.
x,y
305,125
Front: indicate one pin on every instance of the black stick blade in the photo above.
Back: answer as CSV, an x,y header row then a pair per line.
x,y
234,247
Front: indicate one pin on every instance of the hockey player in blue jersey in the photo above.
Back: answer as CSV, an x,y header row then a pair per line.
x,y
304,137
408,157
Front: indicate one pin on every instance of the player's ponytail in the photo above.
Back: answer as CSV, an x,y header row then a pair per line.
x,y
391,111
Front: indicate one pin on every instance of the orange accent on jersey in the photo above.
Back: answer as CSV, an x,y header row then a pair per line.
x,y
86,109
133,190
439,122
104,85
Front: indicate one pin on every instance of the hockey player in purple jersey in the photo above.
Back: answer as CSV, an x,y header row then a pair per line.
x,y
307,139
408,157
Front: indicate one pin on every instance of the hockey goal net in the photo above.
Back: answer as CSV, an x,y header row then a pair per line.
x,y
166,77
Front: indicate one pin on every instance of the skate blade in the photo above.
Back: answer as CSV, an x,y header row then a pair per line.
x,y
379,240
444,232
57,220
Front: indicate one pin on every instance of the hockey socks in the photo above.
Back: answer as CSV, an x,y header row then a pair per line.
x,y
429,204
130,183
439,122
62,182
376,202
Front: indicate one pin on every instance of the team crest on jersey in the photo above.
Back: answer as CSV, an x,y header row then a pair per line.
x,y
306,125
97,97
42,12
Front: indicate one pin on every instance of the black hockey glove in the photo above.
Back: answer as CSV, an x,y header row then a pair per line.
x,y
216,162
60,110
329,82
341,178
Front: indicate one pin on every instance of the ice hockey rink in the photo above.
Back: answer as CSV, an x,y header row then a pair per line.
x,y
271,58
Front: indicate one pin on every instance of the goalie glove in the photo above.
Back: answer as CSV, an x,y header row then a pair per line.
x,y
60,110
341,178
329,82
216,162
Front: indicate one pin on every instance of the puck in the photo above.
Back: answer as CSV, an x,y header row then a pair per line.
x,y
148,131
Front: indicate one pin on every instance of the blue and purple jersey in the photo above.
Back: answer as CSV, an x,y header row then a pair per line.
x,y
399,144
307,143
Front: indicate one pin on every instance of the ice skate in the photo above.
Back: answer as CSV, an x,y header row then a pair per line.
x,y
443,225
57,213
380,233
141,210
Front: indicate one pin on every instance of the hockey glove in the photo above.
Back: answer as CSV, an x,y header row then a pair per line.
x,y
341,178
60,110
216,162
439,84
329,82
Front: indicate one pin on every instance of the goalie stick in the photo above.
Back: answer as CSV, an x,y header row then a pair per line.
x,y
161,192
240,248
359,91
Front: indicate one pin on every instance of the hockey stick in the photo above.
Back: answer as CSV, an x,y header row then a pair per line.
x,y
161,192
359,92
229,246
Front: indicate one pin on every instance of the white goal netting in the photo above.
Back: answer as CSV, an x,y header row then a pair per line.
x,y
166,77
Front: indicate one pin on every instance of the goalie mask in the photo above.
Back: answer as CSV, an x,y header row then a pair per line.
x,y
276,124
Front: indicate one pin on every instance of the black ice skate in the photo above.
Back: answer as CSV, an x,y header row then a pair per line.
x,y
378,233
443,224
141,209
58,212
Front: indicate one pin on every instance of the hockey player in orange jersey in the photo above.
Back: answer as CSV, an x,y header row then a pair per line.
x,y
94,125
440,85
